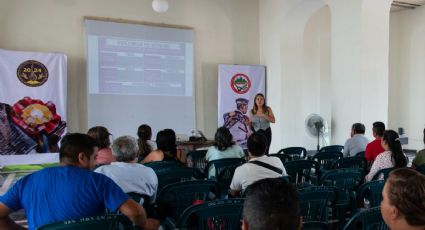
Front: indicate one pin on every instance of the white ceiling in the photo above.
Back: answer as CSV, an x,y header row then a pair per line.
x,y
399,5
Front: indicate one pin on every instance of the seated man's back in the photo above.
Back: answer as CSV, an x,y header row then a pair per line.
x,y
63,193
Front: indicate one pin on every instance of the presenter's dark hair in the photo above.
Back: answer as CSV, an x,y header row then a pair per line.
x,y
101,135
166,142
144,132
272,203
74,143
223,139
378,128
255,107
391,137
257,144
406,191
358,128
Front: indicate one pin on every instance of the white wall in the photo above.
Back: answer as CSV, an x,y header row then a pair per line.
x,y
226,31
407,73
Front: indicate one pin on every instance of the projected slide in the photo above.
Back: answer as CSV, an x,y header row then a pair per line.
x,y
130,66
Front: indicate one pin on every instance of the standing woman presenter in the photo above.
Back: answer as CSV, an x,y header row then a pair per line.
x,y
261,116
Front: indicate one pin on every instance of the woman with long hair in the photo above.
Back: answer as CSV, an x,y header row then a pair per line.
x,y
167,148
261,116
224,147
144,132
101,135
392,157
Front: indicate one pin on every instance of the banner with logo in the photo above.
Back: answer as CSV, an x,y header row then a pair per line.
x,y
237,87
32,101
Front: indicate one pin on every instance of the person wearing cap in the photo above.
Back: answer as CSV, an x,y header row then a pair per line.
x,y
101,135
238,122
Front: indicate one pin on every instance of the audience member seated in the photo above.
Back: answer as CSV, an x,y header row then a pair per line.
x,y
167,148
420,157
271,204
392,157
69,191
258,167
143,179
357,143
374,148
144,132
224,147
101,135
403,204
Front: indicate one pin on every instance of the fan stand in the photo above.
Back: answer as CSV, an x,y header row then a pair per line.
x,y
319,127
318,140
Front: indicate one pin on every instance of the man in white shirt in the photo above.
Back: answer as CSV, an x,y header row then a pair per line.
x,y
357,143
258,167
129,175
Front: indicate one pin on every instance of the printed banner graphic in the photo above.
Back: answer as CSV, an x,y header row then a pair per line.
x,y
32,101
237,87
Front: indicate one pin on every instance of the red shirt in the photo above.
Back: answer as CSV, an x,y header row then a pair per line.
x,y
373,149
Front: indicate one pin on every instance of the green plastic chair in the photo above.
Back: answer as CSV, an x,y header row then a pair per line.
x,y
360,154
302,172
314,225
225,177
221,164
332,148
172,175
368,219
372,192
157,165
315,202
421,169
196,159
384,172
327,159
295,153
220,214
103,222
173,199
350,162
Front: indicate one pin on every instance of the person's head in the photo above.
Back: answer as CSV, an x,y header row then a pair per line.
x,y
378,129
242,105
390,142
223,139
257,144
144,132
404,199
125,149
357,128
101,135
166,141
78,149
259,102
271,203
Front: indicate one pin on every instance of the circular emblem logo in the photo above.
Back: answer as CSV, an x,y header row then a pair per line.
x,y
32,73
240,83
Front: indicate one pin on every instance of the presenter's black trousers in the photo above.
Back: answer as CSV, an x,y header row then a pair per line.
x,y
268,134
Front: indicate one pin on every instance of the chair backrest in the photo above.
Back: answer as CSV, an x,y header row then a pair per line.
x,y
103,222
372,191
220,214
301,171
168,176
283,157
221,164
367,219
421,169
157,165
360,154
173,199
332,148
316,201
196,159
326,159
350,162
296,153
225,177
346,180
314,225
384,172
